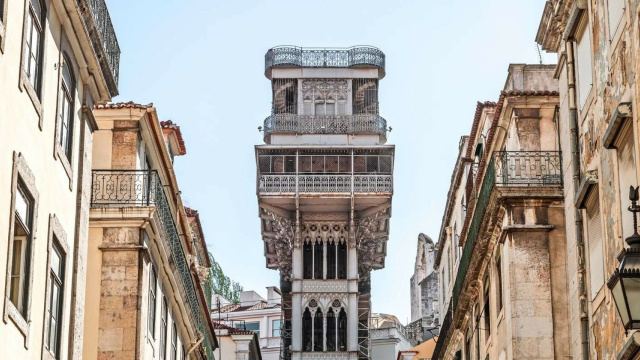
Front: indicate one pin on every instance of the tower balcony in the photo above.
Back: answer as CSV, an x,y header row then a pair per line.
x,y
294,56
361,124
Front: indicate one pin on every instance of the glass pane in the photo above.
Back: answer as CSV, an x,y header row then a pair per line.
x,y
620,302
22,207
16,273
56,263
632,290
35,5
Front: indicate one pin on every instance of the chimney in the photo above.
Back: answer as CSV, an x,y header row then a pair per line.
x,y
273,295
250,298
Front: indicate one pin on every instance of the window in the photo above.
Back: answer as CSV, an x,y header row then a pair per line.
x,y
20,267
163,328
153,284
615,11
275,328
66,107
322,332
626,176
499,276
467,345
174,342
34,43
486,311
54,308
253,326
583,63
594,236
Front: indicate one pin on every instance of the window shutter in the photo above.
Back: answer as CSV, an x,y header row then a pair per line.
x,y
585,76
626,178
594,236
615,10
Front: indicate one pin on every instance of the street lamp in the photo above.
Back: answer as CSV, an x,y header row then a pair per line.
x,y
625,281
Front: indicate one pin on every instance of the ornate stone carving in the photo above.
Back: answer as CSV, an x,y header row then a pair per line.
x,y
281,240
324,301
324,286
368,241
325,231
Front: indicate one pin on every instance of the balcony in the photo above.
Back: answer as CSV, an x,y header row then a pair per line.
x,y
312,124
528,168
336,173
324,57
97,22
131,188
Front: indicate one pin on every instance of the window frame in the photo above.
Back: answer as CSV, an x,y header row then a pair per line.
x,y
21,174
65,120
164,321
273,328
174,341
583,30
151,311
3,23
34,91
57,241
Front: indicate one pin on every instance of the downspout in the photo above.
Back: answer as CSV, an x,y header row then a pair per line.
x,y
575,160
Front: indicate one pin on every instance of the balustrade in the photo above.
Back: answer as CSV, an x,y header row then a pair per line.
x,y
329,124
310,57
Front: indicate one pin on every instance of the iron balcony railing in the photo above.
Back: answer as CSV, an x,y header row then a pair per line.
x,y
528,168
324,57
319,124
103,37
120,188
339,174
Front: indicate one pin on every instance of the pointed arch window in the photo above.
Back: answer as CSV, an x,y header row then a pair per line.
x,y
342,330
307,330
324,331
318,324
331,331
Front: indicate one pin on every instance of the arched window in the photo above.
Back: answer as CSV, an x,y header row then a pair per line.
x,y
34,44
318,259
331,330
307,250
318,324
342,330
342,260
307,330
66,108
331,260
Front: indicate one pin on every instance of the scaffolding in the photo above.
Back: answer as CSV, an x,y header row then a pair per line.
x,y
364,314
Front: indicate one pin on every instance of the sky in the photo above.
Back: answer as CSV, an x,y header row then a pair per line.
x,y
201,63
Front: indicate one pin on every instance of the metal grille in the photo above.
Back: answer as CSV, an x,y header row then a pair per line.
x,y
285,328
364,316
528,168
285,96
365,96
143,188
325,124
309,57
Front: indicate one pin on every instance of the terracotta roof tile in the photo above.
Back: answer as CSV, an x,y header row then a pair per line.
x,y
231,330
168,124
123,105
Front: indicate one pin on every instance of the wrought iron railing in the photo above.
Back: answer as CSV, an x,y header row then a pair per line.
x,y
312,124
313,57
105,43
528,168
143,188
325,183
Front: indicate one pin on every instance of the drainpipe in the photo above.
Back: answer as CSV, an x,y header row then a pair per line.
x,y
575,160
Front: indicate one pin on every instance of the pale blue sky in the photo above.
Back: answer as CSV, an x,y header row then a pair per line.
x,y
202,65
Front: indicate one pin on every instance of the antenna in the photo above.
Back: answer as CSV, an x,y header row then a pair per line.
x,y
539,53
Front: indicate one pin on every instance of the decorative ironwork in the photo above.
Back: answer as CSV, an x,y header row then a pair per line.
x,y
143,188
369,241
312,57
313,184
326,124
528,168
280,238
103,37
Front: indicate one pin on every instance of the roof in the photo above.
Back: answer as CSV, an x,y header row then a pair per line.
x,y
123,105
237,308
168,124
423,350
231,330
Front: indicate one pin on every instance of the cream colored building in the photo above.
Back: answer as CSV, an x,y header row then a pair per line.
x,y
502,245
57,58
236,344
145,297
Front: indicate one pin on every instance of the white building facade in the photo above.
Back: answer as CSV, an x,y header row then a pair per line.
x,y
324,185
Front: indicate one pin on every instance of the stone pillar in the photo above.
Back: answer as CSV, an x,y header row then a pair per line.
x,y
352,322
120,294
296,322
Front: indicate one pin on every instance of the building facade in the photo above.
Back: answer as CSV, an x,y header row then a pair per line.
x,y
597,43
254,313
425,311
236,344
147,261
502,244
57,58
388,336
324,185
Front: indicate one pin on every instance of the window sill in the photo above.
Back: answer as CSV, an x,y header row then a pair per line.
x,y
25,85
11,312
60,155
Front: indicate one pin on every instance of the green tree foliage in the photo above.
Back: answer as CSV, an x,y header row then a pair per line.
x,y
222,285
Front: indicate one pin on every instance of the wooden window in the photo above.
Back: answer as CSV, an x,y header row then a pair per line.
x,y
615,11
153,284
55,300
163,328
174,342
584,66
626,176
594,240
22,242
66,107
34,43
